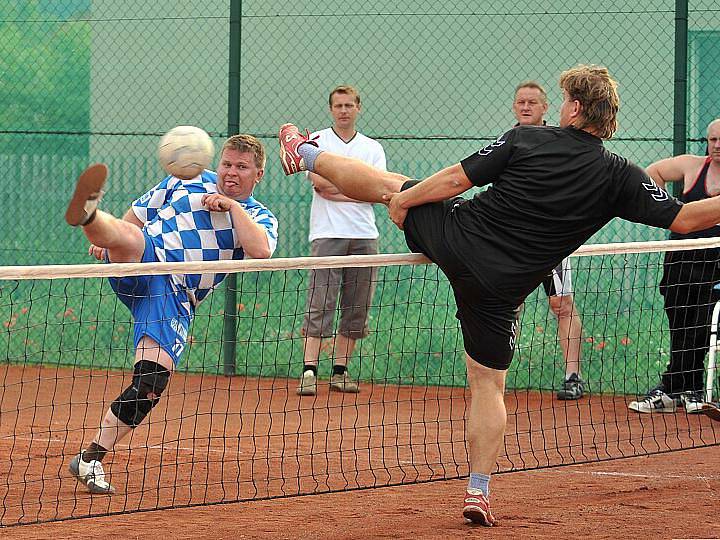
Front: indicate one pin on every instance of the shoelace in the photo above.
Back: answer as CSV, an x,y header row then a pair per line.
x,y
97,473
311,139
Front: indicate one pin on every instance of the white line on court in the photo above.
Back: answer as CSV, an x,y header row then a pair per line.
x,y
402,462
638,475
190,449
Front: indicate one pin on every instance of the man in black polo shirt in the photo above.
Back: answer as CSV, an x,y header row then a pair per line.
x,y
552,189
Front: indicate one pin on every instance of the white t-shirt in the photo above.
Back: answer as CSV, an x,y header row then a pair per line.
x,y
331,219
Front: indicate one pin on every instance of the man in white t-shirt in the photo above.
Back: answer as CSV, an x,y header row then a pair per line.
x,y
339,226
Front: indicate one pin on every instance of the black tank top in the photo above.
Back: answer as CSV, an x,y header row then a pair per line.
x,y
698,192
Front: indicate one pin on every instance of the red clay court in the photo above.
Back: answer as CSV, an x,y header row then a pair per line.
x,y
217,439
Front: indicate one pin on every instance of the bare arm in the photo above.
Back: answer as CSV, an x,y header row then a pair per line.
x,y
693,216
251,236
327,189
440,186
673,169
130,217
697,215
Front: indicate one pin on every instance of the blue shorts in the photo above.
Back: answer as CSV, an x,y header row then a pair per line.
x,y
156,307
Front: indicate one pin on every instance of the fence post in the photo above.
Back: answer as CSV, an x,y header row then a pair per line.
x,y
680,93
229,344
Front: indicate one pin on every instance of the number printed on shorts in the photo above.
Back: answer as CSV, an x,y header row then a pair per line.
x,y
178,347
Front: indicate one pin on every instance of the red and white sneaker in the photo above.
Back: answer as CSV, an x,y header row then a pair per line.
x,y
476,508
290,139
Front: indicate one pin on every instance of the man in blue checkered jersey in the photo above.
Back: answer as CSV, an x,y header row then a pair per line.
x,y
207,218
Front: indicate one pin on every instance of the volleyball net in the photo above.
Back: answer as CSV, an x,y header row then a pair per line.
x,y
67,353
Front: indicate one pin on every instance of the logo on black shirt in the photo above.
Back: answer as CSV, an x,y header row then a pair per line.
x,y
658,193
490,147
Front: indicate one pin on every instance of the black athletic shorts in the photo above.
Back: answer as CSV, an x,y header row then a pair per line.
x,y
488,323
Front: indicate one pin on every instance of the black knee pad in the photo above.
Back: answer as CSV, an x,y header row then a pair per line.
x,y
149,381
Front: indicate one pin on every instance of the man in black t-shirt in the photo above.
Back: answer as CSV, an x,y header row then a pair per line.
x,y
552,189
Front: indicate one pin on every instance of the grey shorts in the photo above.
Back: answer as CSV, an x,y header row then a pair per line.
x,y
559,281
355,286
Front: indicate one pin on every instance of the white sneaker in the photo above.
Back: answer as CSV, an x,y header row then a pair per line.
x,y
693,402
343,383
91,475
656,401
308,384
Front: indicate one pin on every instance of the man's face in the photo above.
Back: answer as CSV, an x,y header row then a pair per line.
x,y
237,174
344,111
713,140
529,107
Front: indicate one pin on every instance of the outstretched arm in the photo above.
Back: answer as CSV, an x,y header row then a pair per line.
x,y
697,216
442,185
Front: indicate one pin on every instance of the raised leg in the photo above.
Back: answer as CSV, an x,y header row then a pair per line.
x,y
356,179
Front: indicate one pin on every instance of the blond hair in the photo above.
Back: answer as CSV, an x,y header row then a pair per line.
x,y
532,84
347,90
596,91
247,143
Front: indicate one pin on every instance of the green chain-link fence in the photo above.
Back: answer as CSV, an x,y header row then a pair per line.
x,y
99,80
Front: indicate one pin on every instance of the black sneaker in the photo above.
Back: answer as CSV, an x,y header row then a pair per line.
x,y
573,388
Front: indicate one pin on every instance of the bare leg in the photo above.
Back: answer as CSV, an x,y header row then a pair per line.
x,y
569,331
486,416
113,430
357,179
123,240
312,350
344,347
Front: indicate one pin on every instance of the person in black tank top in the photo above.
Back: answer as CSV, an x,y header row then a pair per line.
x,y
688,286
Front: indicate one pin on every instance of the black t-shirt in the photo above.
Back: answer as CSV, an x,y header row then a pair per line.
x,y
552,189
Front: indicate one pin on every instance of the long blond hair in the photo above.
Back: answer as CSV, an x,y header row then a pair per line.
x,y
596,91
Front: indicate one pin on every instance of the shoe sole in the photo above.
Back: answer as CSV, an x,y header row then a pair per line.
x,y
569,397
695,409
305,392
89,182
664,410
344,390
74,469
710,410
476,516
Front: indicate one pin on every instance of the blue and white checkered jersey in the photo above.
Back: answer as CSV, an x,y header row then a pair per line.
x,y
182,229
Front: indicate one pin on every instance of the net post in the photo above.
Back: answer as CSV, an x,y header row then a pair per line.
x,y
680,91
229,344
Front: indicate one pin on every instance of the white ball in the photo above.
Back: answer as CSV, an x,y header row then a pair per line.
x,y
185,151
